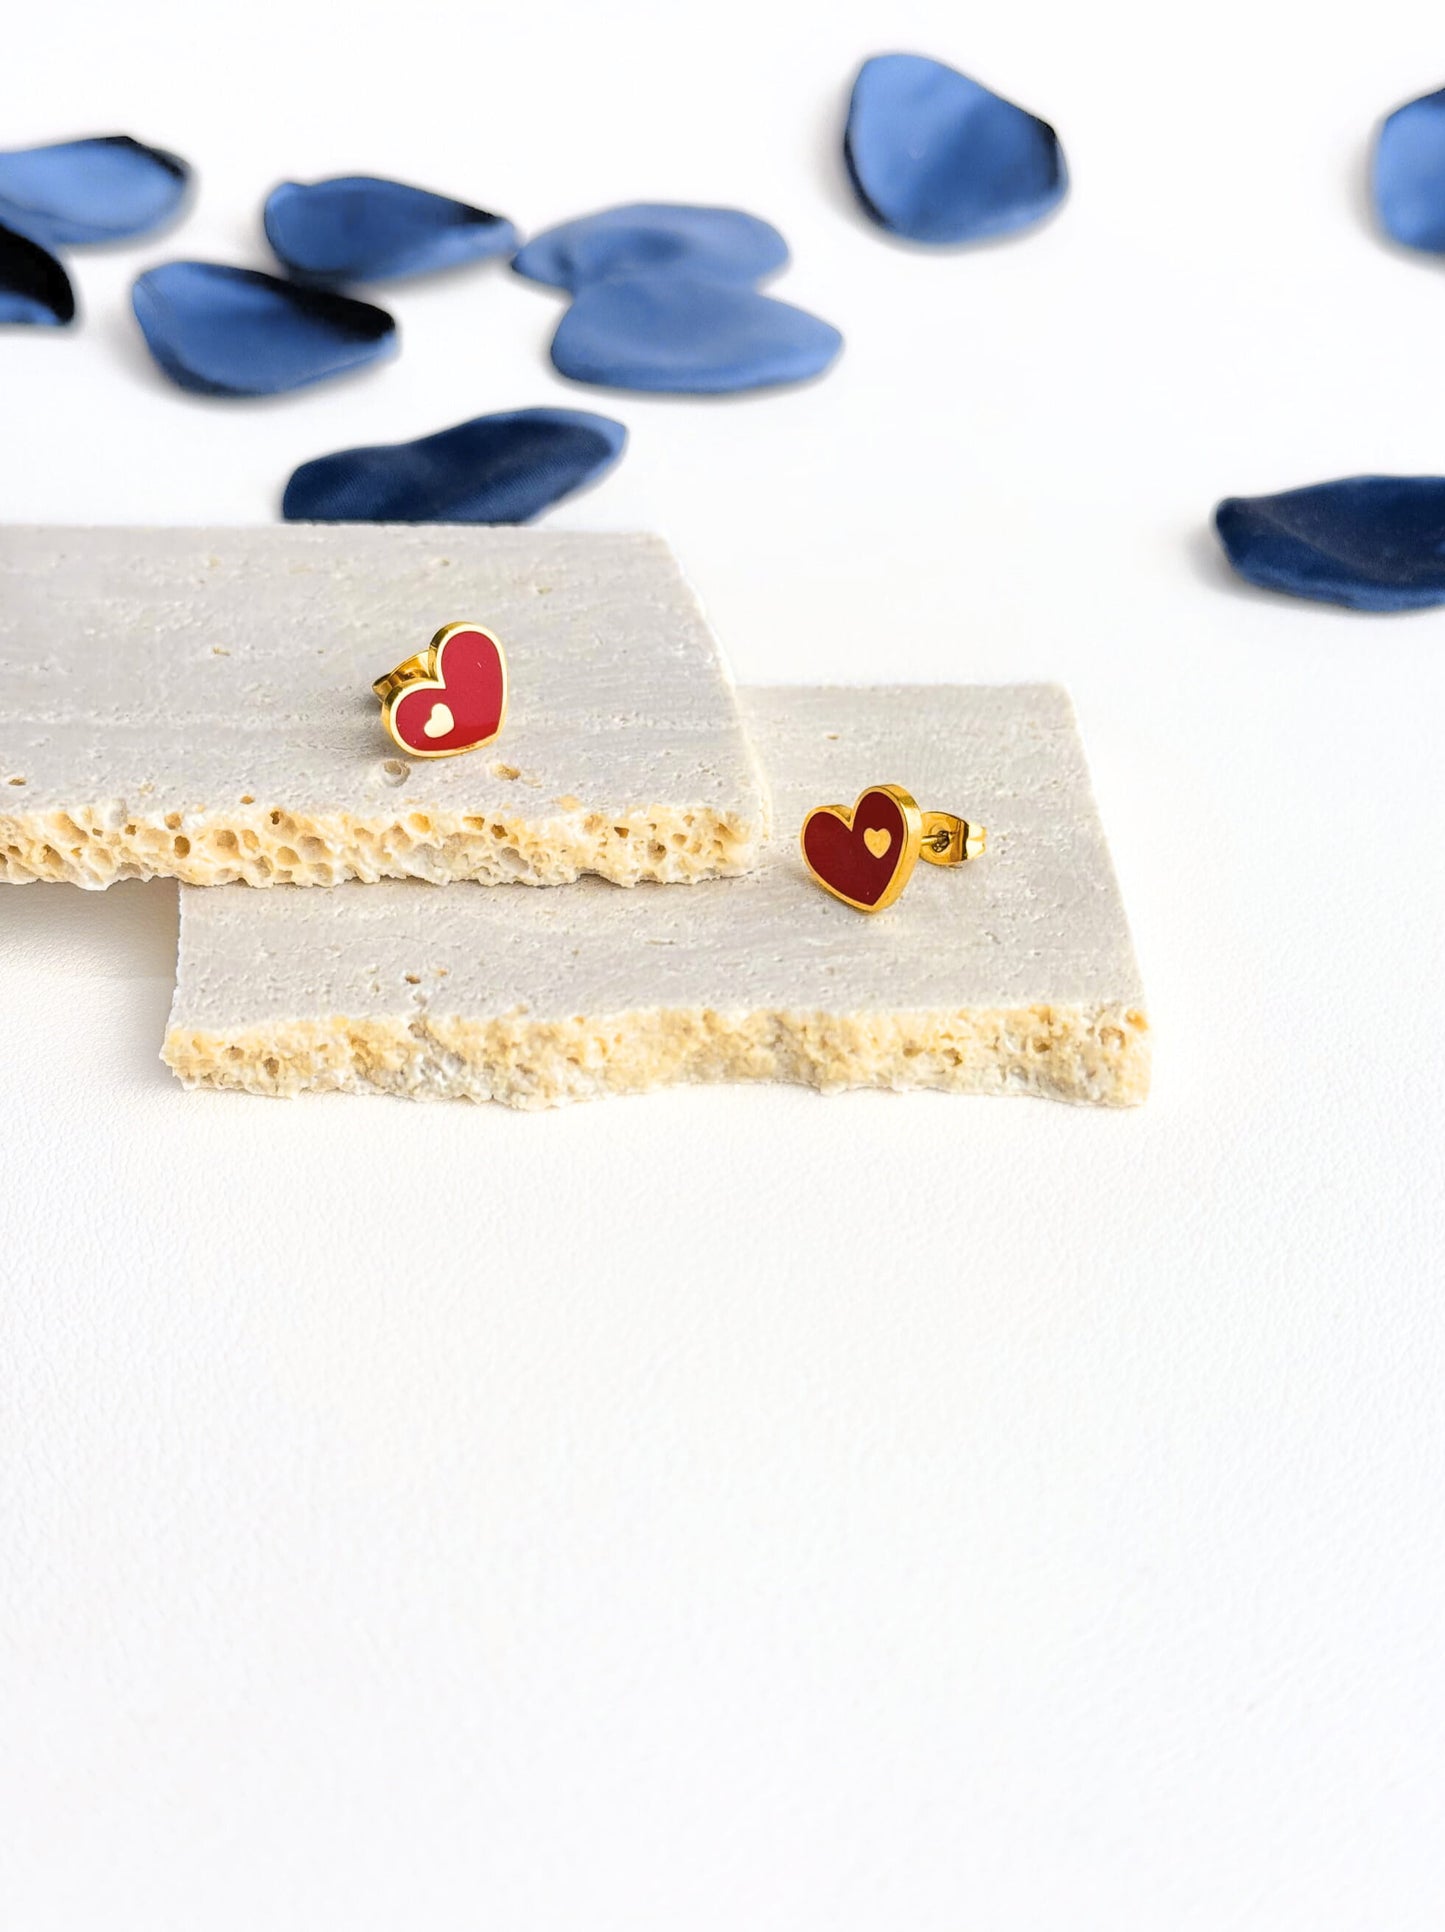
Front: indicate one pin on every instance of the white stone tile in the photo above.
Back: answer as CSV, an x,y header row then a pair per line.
x,y
1012,974
198,704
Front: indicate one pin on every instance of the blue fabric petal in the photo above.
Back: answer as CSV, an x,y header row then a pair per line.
x,y
1372,542
1409,173
937,158
723,244
494,469
672,332
96,190
34,287
357,228
224,331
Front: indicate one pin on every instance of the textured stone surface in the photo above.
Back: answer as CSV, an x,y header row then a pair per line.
x,y
1013,974
198,704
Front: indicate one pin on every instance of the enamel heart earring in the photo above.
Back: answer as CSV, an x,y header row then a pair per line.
x,y
866,856
449,698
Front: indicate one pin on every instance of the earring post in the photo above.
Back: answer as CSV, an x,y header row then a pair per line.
x,y
948,839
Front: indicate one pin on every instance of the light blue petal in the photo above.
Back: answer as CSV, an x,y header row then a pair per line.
x,y
96,190
723,244
1409,173
224,331
669,332
357,228
937,158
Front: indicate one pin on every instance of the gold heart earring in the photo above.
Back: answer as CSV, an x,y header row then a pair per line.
x,y
866,856
450,698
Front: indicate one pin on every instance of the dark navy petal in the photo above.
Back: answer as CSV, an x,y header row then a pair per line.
x,y
1409,173
226,331
494,469
357,228
937,158
1372,542
723,244
34,288
97,190
668,331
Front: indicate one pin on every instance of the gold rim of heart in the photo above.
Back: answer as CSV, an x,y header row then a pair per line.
x,y
425,669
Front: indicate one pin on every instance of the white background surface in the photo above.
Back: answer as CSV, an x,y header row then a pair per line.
x,y
741,1510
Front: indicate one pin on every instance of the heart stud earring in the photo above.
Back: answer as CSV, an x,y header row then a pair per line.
x,y
449,698
865,857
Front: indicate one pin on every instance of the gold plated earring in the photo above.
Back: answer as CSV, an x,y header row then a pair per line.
x,y
866,856
449,698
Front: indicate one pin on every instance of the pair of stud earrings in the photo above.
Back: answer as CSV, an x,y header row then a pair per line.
x,y
452,697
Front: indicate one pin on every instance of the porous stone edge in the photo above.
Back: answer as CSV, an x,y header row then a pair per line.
x,y
263,846
1094,1055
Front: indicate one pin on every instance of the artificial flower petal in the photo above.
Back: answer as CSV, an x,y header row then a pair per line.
x,y
225,331
34,287
937,158
723,244
1409,173
97,190
671,332
495,469
1371,542
357,228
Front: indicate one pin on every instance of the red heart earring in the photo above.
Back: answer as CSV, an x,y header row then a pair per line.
x,y
449,698
865,857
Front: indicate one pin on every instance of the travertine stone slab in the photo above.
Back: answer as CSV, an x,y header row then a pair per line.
x,y
198,704
1013,974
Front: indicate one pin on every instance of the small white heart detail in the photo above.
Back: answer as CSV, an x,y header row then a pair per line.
x,y
440,722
